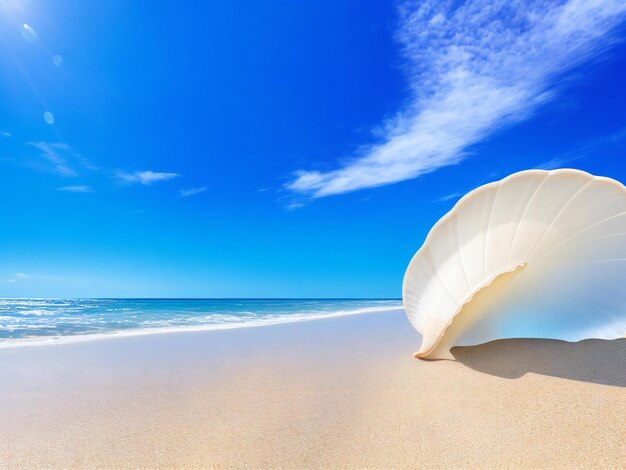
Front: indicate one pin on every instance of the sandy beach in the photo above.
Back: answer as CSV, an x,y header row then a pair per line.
x,y
334,393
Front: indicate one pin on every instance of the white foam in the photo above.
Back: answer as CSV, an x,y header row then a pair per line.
x,y
278,320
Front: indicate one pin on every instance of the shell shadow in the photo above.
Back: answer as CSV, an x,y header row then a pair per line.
x,y
593,360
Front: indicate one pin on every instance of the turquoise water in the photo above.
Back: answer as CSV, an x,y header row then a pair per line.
x,y
59,320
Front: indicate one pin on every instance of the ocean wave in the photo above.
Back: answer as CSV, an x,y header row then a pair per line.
x,y
265,320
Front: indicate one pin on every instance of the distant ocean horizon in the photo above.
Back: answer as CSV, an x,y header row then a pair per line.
x,y
30,321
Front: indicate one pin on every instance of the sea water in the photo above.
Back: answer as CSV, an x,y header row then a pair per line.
x,y
41,321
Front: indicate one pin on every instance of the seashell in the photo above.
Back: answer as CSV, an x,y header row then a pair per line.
x,y
539,254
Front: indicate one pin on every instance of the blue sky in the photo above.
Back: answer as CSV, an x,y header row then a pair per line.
x,y
276,148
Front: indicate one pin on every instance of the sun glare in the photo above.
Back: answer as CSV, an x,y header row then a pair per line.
x,y
12,8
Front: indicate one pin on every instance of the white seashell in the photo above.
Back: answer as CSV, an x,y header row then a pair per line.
x,y
539,254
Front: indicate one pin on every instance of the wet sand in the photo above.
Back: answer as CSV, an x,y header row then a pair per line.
x,y
335,393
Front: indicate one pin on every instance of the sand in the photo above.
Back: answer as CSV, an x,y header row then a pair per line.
x,y
335,393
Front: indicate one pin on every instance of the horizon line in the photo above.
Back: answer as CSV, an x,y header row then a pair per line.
x,y
203,298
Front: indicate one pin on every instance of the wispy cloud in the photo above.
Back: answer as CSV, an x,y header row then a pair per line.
x,y
17,277
552,164
191,191
76,189
145,177
294,206
593,147
6,134
60,158
54,153
457,194
22,277
448,197
474,68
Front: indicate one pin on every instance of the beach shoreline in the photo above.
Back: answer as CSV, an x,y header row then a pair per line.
x,y
133,332
341,392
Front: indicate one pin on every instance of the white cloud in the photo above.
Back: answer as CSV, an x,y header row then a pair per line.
x,y
52,152
552,164
76,189
593,147
293,206
21,277
6,134
474,69
145,177
17,277
448,197
191,191
457,195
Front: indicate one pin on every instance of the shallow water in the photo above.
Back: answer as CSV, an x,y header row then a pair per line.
x,y
44,320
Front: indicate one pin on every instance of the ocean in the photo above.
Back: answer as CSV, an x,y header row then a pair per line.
x,y
42,321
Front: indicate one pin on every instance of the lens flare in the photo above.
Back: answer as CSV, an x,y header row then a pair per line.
x,y
29,34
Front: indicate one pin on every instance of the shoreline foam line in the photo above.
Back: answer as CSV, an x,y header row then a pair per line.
x,y
68,339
